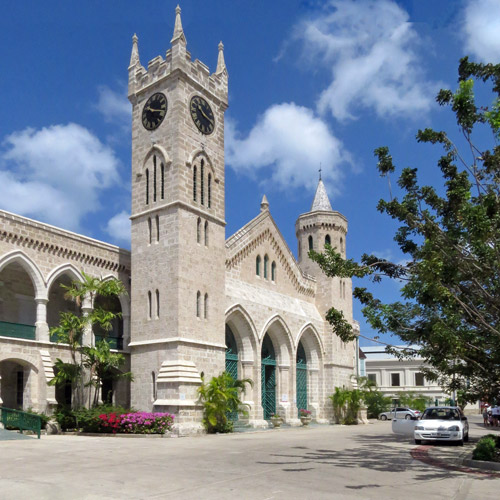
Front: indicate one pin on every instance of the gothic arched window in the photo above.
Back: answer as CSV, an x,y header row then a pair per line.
x,y
157,218
206,233
150,231
149,305
266,265
198,304
257,265
205,306
198,231
157,304
209,193
341,245
202,182
310,239
194,183
153,383
154,178
328,241
147,186
273,271
162,181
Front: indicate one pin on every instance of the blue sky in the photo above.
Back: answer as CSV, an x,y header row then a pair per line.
x,y
310,83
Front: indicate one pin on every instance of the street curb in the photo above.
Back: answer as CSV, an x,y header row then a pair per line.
x,y
480,464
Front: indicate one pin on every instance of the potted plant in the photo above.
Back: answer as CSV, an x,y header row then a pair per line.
x,y
276,420
305,416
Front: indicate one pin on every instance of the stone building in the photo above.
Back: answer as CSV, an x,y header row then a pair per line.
x,y
198,302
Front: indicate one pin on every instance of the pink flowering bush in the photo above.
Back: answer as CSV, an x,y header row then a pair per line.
x,y
304,413
142,422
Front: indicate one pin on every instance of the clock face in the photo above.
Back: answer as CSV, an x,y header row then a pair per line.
x,y
202,115
154,111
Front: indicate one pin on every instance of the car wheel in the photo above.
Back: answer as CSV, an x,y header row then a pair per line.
x,y
418,441
408,417
383,417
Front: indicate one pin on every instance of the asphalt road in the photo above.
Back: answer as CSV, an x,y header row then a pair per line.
x,y
326,462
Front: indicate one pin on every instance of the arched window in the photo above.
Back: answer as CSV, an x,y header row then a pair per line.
x,y
194,182
328,241
310,239
341,245
202,182
273,271
150,231
340,291
198,231
209,193
162,181
257,265
198,304
157,218
206,233
149,305
147,186
157,304
343,290
154,178
206,306
266,265
153,385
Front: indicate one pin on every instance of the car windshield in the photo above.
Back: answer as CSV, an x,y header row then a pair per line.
x,y
441,414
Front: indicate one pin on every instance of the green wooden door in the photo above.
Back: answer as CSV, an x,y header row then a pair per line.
x,y
231,363
268,378
301,379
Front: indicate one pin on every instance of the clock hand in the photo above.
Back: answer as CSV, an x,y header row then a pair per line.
x,y
153,110
203,113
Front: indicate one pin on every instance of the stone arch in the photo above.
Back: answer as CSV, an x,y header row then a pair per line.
x,y
11,365
123,298
160,151
244,331
312,343
19,257
281,337
67,269
200,153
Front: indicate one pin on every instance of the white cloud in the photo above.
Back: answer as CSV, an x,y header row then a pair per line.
x,y
55,174
369,46
114,106
118,228
482,29
288,143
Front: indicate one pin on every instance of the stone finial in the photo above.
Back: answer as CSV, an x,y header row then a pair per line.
x,y
221,64
134,57
264,204
178,31
321,201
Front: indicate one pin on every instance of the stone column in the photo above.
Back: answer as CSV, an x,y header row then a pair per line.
x,y
283,392
88,335
42,328
247,371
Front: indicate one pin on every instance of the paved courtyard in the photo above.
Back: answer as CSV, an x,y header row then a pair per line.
x,y
308,463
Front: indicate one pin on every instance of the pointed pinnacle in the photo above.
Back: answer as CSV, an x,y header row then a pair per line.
x,y
221,63
178,31
321,201
264,204
134,57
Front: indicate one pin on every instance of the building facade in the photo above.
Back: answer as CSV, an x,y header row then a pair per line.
x,y
198,303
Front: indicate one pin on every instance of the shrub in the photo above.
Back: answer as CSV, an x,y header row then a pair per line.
x,y
44,418
486,448
146,423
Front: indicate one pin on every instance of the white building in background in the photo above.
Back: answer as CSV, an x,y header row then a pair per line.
x,y
395,377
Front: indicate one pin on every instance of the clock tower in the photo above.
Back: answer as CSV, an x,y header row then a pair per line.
x,y
178,228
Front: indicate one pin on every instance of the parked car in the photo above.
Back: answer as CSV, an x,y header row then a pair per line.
x,y
447,423
400,412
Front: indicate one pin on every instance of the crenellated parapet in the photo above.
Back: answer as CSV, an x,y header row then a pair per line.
x,y
177,59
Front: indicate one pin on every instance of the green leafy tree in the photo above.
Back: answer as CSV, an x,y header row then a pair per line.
x,y
99,361
346,405
414,401
450,235
373,398
221,397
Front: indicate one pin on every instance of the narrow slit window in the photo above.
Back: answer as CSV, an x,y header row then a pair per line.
x,y
257,265
209,193
206,233
150,231
341,245
157,228
198,305
273,271
157,304
266,265
162,181
153,384
328,241
206,306
202,182
198,231
310,239
147,186
154,178
149,305
194,183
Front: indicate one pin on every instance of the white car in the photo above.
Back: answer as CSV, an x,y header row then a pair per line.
x,y
446,423
400,412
